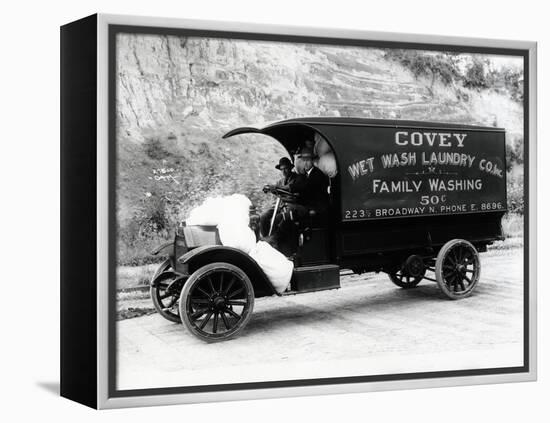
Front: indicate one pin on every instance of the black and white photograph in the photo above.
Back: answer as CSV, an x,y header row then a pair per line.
x,y
292,210
286,211
275,212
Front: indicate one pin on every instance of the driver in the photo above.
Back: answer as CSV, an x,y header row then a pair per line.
x,y
286,183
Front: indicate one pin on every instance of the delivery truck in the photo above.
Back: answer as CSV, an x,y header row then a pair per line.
x,y
416,200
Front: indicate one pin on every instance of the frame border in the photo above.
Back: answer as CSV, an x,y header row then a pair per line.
x,y
107,394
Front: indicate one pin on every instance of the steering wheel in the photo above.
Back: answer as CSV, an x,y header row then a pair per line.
x,y
283,194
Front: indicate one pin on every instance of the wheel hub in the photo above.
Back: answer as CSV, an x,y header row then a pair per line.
x,y
414,266
219,303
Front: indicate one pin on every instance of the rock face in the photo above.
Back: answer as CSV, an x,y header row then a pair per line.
x,y
182,94
169,83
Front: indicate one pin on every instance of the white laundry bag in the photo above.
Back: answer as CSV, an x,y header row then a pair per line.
x,y
321,147
231,215
235,211
327,164
215,210
275,265
239,237
208,213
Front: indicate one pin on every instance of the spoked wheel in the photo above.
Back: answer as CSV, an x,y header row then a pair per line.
x,y
165,293
405,281
411,273
216,302
457,269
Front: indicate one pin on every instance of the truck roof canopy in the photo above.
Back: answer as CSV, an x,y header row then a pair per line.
x,y
291,133
386,167
393,123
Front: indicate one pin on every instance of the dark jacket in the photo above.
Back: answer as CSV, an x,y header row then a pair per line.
x,y
288,182
312,189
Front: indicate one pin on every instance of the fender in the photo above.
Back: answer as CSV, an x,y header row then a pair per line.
x,y
201,256
163,247
168,274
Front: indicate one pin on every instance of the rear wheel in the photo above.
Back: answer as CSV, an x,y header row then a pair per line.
x,y
410,274
216,302
457,269
405,281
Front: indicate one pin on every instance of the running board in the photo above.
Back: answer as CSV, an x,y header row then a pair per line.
x,y
314,278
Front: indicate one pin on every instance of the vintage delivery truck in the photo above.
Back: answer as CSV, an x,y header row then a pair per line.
x,y
416,200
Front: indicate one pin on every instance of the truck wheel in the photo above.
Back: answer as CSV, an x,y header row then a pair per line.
x,y
405,281
165,292
216,302
457,269
410,273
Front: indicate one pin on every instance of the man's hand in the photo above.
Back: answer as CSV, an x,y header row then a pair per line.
x,y
268,188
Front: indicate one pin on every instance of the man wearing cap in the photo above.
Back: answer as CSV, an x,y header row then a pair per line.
x,y
285,183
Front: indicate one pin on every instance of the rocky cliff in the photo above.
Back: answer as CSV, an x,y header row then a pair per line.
x,y
180,86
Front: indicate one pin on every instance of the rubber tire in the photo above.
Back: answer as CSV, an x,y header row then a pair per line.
x,y
153,292
413,284
439,269
187,289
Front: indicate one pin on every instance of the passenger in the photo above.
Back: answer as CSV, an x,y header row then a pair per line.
x,y
285,183
311,187
298,162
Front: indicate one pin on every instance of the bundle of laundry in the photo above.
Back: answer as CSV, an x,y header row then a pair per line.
x,y
216,210
326,161
275,265
231,216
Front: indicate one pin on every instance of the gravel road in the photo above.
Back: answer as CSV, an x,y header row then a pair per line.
x,y
367,327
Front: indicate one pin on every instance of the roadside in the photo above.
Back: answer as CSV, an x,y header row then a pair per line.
x,y
369,326
133,281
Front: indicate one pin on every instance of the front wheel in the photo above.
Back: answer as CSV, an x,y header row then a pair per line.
x,y
457,269
216,302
